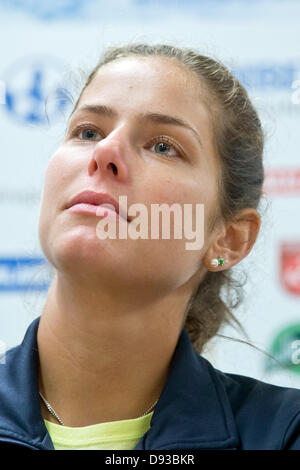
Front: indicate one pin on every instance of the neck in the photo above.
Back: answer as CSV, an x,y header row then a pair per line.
x,y
102,359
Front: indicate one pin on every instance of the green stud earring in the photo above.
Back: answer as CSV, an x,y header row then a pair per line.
x,y
218,261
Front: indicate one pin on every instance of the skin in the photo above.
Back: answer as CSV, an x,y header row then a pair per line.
x,y
114,310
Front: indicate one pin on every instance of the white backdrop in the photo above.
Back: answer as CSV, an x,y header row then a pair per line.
x,y
43,47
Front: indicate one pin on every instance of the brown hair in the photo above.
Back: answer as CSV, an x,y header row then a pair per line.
x,y
239,141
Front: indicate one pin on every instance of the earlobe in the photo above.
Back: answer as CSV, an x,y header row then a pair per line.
x,y
215,261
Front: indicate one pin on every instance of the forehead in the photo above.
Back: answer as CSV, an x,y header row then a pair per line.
x,y
149,84
137,86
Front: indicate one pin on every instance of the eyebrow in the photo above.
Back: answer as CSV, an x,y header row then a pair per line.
x,y
143,117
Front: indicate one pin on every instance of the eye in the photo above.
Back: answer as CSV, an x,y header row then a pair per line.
x,y
88,134
165,147
85,133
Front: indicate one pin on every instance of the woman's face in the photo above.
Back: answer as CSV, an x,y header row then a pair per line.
x,y
149,160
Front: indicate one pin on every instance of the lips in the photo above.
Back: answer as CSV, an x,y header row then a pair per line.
x,y
96,199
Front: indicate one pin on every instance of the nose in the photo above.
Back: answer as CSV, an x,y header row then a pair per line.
x,y
109,158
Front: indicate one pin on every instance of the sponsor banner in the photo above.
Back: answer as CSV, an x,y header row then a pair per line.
x,y
274,76
48,11
285,350
19,197
70,10
290,267
282,181
34,91
273,86
18,274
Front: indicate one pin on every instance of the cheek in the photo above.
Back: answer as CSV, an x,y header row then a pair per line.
x,y
58,176
175,259
192,196
55,180
196,196
159,188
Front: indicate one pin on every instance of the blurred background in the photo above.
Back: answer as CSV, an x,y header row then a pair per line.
x,y
47,49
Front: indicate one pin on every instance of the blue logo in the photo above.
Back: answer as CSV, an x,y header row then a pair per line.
x,y
266,77
18,274
47,10
34,92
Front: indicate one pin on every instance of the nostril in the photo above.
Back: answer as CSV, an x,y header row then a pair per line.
x,y
114,168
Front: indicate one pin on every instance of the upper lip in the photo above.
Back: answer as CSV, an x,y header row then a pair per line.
x,y
92,197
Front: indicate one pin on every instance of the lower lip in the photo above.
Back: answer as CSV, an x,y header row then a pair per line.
x,y
100,211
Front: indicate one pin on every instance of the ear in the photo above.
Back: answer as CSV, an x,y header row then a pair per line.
x,y
234,240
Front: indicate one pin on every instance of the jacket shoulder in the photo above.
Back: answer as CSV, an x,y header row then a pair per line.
x,y
21,420
264,412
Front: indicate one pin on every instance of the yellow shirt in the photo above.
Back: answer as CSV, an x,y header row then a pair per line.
x,y
115,435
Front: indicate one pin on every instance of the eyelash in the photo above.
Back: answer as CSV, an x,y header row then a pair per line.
x,y
161,138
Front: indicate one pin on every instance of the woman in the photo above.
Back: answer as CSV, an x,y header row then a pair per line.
x,y
113,362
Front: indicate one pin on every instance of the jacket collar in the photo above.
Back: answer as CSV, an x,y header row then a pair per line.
x,y
193,411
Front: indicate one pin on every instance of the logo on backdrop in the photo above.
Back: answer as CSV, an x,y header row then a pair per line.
x,y
265,77
34,91
290,267
56,9
19,274
277,84
285,350
282,181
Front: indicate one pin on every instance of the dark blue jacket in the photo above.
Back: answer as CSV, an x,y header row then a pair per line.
x,y
200,407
